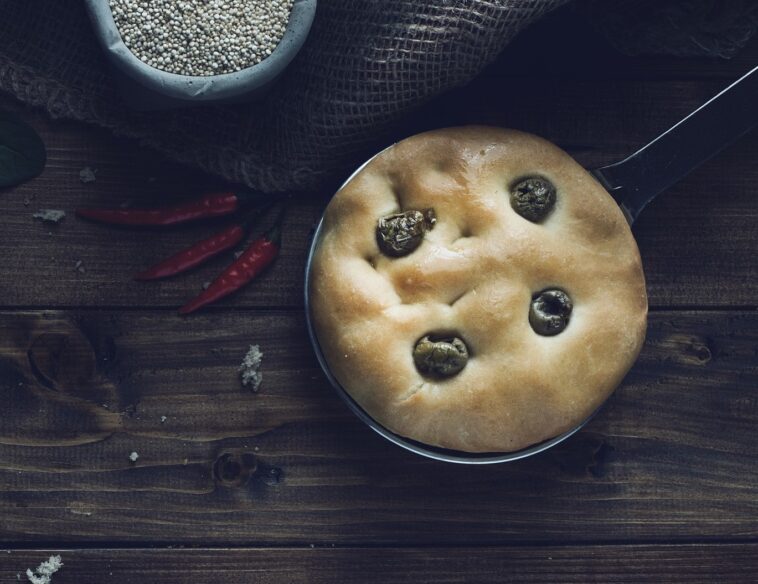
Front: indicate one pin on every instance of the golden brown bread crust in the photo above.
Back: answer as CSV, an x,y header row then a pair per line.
x,y
474,274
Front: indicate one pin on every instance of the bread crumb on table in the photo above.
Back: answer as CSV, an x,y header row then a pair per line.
x,y
133,456
44,572
249,369
50,215
87,175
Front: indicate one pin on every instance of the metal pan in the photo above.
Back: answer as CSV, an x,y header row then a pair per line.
x,y
633,183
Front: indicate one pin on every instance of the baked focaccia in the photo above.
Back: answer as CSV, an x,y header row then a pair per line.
x,y
476,289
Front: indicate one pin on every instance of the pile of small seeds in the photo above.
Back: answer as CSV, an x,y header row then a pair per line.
x,y
201,37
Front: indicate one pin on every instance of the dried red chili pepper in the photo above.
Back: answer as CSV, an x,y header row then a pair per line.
x,y
194,256
204,250
211,205
257,257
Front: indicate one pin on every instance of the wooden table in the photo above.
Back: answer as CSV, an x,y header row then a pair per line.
x,y
287,485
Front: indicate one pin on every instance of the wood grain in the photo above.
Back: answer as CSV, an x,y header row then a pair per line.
x,y
697,241
634,564
671,457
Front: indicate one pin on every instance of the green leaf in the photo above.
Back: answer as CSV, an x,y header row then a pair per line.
x,y
22,152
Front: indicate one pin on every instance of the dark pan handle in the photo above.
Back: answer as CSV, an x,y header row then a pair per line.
x,y
636,180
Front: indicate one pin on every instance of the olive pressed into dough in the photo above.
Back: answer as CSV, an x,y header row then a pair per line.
x,y
440,355
549,312
533,198
401,233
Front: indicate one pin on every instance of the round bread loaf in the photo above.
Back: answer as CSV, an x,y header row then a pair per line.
x,y
473,281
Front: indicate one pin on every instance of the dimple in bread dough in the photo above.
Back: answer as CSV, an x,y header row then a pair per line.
x,y
474,276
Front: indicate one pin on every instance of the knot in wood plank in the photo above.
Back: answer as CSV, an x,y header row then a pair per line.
x,y
688,349
234,469
62,360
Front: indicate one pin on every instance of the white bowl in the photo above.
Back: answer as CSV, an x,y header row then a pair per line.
x,y
145,87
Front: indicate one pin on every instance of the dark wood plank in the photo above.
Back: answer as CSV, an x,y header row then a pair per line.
x,y
672,456
597,122
719,203
686,564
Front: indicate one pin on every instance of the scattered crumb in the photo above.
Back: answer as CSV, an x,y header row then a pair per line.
x,y
312,545
237,254
206,285
50,215
133,456
27,201
163,419
186,461
256,449
79,267
80,512
87,175
249,368
44,572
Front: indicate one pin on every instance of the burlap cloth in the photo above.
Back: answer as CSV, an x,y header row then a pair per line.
x,y
365,64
